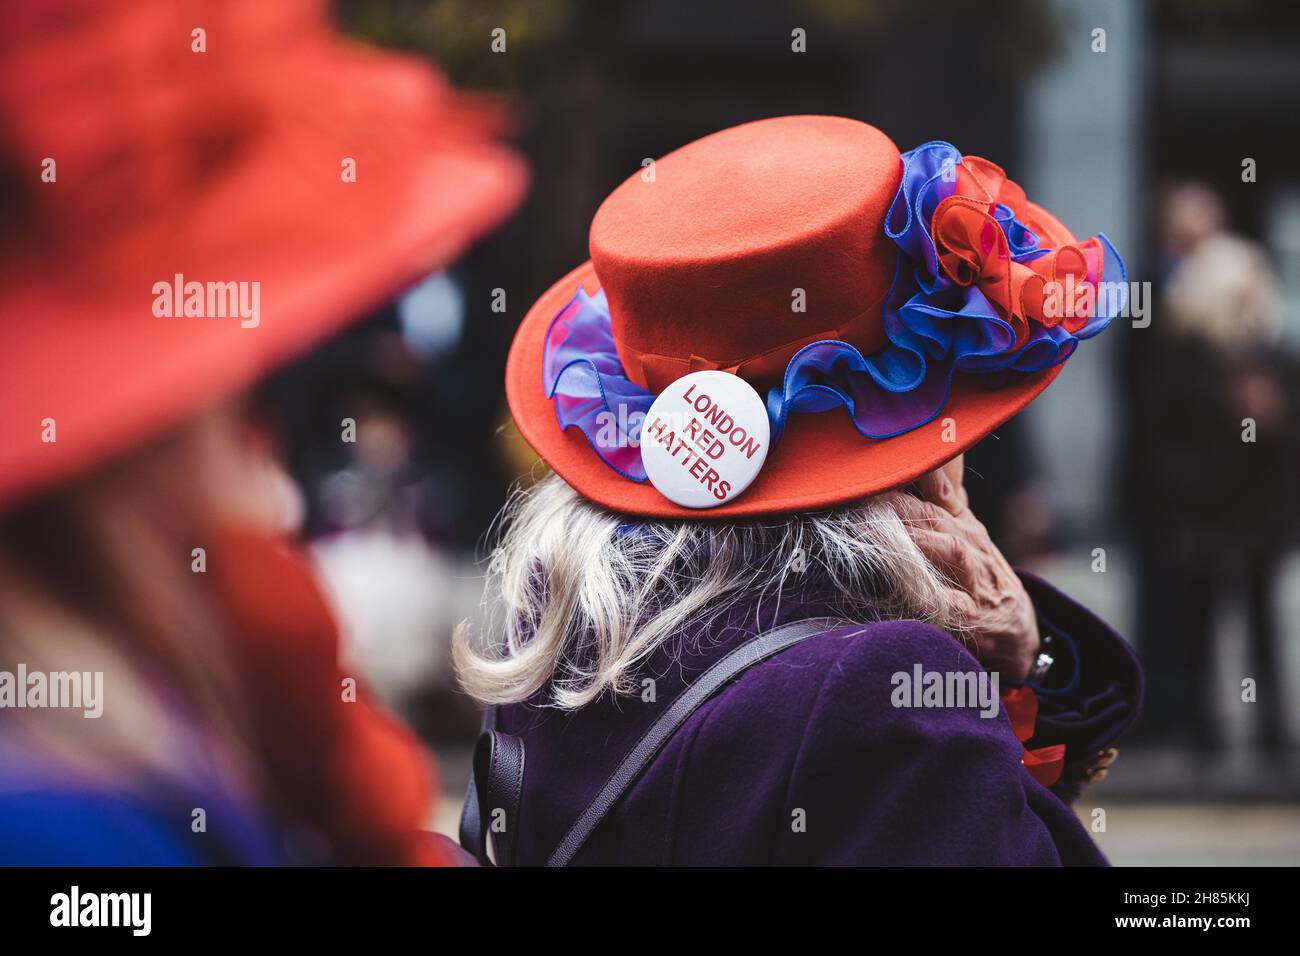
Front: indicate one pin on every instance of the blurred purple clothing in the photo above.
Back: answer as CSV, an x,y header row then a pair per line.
x,y
48,818
804,760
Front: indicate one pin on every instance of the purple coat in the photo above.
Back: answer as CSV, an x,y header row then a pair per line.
x,y
803,759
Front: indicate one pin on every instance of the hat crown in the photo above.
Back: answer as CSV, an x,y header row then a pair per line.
x,y
739,248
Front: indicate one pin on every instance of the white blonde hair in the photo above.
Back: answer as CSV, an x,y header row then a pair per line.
x,y
577,597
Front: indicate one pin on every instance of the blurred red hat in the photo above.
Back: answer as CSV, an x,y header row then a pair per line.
x,y
234,157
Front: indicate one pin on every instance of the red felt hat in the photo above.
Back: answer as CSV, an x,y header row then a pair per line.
x,y
698,258
222,142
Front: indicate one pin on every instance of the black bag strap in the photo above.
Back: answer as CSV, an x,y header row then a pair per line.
x,y
497,782
496,785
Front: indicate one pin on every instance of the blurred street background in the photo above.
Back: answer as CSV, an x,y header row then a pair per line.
x,y
1168,124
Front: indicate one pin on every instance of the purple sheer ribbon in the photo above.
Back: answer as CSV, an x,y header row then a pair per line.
x,y
935,328
585,379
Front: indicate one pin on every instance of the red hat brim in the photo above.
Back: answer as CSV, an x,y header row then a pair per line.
x,y
821,462
91,356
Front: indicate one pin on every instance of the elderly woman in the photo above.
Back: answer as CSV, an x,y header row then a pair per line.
x,y
742,630
170,684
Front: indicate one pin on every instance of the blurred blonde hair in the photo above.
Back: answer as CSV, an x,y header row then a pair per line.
x,y
95,576
1226,293
577,597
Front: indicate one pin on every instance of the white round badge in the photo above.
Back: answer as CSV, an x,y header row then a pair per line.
x,y
705,439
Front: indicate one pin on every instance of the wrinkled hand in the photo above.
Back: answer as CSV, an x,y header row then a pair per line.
x,y
997,610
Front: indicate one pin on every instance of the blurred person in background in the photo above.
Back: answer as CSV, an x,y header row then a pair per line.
x,y
1211,468
851,566
195,194
390,516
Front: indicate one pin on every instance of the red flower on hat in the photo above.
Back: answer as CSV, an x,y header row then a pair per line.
x,y
974,246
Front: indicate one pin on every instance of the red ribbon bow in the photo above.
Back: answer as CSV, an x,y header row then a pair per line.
x,y
1043,763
